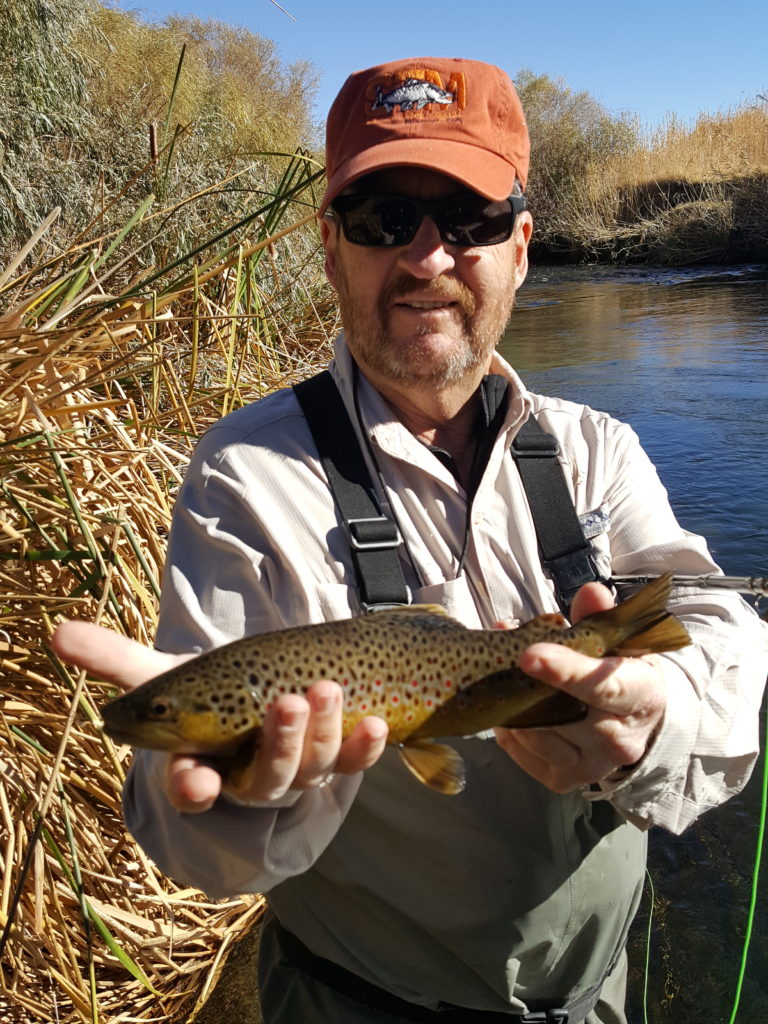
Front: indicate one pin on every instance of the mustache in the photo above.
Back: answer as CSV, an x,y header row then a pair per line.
x,y
445,288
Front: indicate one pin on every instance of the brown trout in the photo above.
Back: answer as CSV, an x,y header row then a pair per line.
x,y
424,673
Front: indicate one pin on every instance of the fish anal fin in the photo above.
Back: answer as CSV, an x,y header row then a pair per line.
x,y
558,709
435,764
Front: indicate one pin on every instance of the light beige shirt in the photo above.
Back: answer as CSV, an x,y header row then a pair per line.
x,y
257,544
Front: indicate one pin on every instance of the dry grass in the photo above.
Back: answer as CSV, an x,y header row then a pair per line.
x,y
732,144
680,196
101,399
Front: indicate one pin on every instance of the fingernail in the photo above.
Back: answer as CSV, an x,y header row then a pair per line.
x,y
289,718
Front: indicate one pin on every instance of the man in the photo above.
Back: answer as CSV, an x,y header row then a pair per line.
x,y
512,900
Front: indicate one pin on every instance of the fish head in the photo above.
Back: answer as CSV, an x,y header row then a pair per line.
x,y
161,715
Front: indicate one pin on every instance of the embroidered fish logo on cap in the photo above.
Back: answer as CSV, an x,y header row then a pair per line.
x,y
413,93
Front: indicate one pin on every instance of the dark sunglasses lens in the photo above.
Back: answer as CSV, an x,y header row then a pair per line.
x,y
379,220
465,220
472,220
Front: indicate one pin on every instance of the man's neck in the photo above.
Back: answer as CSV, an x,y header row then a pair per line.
x,y
445,418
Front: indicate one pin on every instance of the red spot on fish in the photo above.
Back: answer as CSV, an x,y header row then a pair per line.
x,y
448,684
395,699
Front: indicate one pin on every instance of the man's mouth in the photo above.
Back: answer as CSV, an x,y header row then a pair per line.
x,y
425,303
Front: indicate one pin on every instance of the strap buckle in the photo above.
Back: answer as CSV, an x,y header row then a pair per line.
x,y
535,445
377,533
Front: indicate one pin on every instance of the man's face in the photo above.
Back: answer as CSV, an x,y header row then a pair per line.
x,y
427,314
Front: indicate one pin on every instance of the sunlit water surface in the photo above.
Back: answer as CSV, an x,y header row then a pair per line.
x,y
683,357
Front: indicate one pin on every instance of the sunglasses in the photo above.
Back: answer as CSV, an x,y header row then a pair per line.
x,y
465,219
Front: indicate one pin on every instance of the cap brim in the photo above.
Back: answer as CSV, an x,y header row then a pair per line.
x,y
480,170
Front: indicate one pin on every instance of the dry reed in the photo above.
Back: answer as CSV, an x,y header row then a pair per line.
x,y
101,400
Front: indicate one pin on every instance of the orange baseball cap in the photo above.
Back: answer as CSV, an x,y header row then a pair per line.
x,y
460,117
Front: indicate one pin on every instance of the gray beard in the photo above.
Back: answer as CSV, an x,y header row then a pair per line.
x,y
403,363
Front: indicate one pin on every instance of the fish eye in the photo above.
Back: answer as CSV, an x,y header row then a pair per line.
x,y
160,709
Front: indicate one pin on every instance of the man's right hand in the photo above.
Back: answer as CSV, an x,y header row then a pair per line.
x,y
301,743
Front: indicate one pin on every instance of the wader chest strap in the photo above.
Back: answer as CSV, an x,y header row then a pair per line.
x,y
373,535
565,551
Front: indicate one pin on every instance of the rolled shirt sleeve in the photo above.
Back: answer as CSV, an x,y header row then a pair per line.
x,y
231,848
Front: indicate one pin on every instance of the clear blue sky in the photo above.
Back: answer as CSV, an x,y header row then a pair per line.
x,y
653,58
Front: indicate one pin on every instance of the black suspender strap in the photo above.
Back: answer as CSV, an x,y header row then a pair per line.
x,y
565,551
374,536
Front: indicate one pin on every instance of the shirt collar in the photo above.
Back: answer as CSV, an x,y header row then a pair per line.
x,y
501,385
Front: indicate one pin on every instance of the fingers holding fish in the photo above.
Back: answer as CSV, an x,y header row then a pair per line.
x,y
363,747
589,600
325,752
301,745
626,699
191,786
276,765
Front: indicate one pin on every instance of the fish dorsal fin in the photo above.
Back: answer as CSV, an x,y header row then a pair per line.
x,y
415,609
436,765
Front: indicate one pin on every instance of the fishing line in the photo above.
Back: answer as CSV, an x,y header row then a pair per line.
x,y
755,874
648,946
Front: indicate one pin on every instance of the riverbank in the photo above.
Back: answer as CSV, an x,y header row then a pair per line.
x,y
668,222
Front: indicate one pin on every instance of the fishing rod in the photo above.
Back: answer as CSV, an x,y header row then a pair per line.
x,y
757,585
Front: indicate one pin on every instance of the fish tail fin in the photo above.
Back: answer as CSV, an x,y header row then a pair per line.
x,y
435,764
643,623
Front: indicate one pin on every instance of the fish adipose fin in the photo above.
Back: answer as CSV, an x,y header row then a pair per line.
x,y
436,765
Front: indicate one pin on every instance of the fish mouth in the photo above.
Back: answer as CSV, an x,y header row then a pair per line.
x,y
124,728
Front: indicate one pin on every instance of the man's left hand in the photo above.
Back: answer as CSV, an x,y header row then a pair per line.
x,y
626,698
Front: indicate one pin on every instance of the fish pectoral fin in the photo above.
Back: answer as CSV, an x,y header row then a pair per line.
x,y
559,708
238,768
435,764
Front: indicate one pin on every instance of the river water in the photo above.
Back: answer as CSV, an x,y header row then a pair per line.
x,y
683,357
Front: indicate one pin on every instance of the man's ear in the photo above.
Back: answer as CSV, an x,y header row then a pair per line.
x,y
522,236
329,234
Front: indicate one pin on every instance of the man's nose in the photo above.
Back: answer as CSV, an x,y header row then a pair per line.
x,y
427,255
